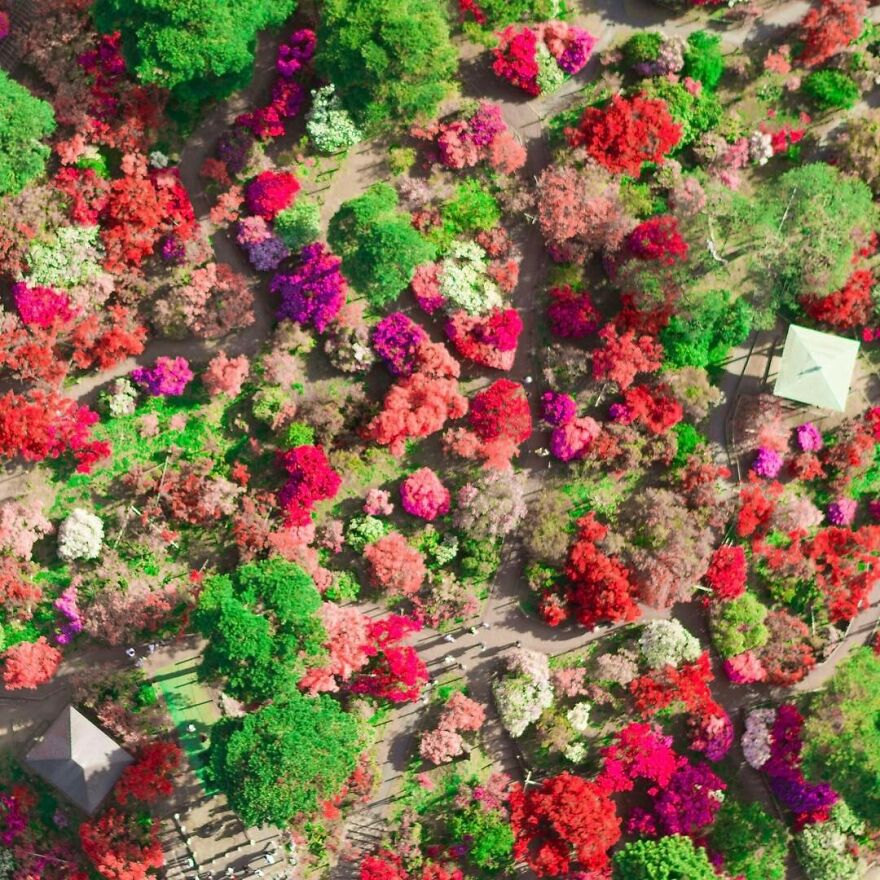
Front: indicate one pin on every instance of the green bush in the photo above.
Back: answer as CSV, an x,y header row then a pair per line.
x,y
473,208
299,225
694,113
391,60
642,47
688,439
669,858
490,836
753,843
478,560
24,121
501,12
703,60
830,90
377,243
197,49
738,625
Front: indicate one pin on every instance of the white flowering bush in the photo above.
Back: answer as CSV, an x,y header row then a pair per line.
x,y
328,123
80,536
667,643
757,737
158,159
579,717
464,280
576,752
525,693
760,148
121,399
71,258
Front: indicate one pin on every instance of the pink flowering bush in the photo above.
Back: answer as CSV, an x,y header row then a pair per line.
x,y
809,437
574,438
842,511
311,479
394,565
423,495
41,306
489,340
557,409
225,375
745,668
378,503
314,292
167,376
571,313
271,192
768,463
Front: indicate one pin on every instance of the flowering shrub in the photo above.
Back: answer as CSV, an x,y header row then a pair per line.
x,y
423,495
80,536
727,572
396,340
315,291
667,643
167,376
311,479
328,124
27,665
225,375
490,340
41,306
557,409
271,192
571,313
658,238
622,356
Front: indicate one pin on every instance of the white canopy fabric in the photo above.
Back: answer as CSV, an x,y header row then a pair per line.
x,y
816,368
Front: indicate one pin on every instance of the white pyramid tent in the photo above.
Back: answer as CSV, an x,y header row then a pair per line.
x,y
816,368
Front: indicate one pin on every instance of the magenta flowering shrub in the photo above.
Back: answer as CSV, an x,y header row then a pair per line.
x,y
569,45
423,495
745,668
315,291
809,437
711,733
690,801
557,409
768,463
481,137
396,340
41,306
571,313
271,192
66,606
842,511
168,376
295,53
573,439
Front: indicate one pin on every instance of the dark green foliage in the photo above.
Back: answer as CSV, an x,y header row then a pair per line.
x,y
479,560
24,121
694,113
642,47
842,735
377,243
704,337
261,626
669,858
489,836
390,60
502,12
703,60
753,843
197,49
830,90
284,759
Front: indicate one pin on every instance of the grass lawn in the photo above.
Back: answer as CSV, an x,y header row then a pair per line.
x,y
189,703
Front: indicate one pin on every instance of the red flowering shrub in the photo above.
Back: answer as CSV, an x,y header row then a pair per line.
x,y
271,192
658,238
571,313
654,409
149,778
726,575
851,306
515,58
564,820
489,340
121,847
830,27
311,480
757,502
104,340
395,566
383,865
626,133
501,410
600,586
639,751
622,356
688,684
29,664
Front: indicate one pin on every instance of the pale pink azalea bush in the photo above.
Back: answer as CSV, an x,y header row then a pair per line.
x,y
22,524
395,566
225,375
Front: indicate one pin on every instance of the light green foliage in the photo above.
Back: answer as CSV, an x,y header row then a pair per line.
x,y
345,588
198,49
669,858
703,60
401,159
688,439
298,434
261,626
377,243
363,530
472,208
642,47
285,758
298,225
390,60
753,843
703,335
501,12
24,121
550,75
489,835
823,848
437,548
738,625
329,125
71,257
694,113
842,738
830,90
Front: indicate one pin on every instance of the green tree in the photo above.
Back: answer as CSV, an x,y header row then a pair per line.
x,y
284,759
197,49
753,843
830,90
738,625
842,736
489,835
703,335
24,121
377,243
669,858
703,59
390,60
298,225
261,626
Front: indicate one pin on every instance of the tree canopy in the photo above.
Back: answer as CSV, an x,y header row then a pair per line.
x,y
284,759
197,49
668,858
390,60
753,843
24,121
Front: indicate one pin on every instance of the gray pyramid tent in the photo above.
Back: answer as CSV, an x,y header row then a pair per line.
x,y
816,368
79,759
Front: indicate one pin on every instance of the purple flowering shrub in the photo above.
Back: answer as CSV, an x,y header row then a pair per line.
x,y
396,339
314,292
167,376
